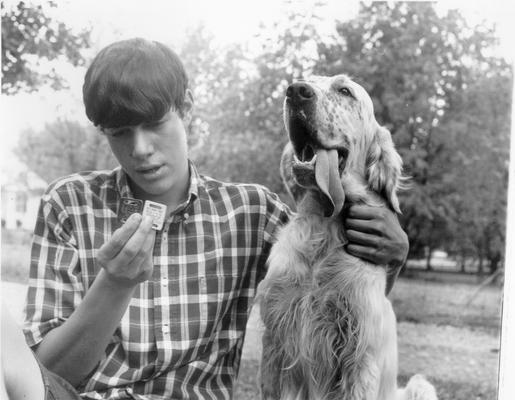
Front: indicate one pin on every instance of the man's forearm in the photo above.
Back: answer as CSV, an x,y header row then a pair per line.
x,y
74,349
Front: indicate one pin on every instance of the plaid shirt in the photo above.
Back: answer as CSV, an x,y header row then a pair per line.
x,y
182,334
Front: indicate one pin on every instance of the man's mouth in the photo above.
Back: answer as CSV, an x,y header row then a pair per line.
x,y
148,170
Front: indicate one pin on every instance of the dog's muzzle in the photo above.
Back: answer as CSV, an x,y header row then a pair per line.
x,y
313,165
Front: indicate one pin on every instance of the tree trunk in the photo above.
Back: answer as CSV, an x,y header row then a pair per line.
x,y
428,260
494,262
462,266
480,265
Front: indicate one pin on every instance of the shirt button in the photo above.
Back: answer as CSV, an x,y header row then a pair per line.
x,y
166,329
186,215
164,281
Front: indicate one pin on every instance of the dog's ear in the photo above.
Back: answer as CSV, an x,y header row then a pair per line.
x,y
384,167
293,189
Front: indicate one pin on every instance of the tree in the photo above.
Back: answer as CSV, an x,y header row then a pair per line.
x,y
416,65
64,147
30,38
239,94
480,130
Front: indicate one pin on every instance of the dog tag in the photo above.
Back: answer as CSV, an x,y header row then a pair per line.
x,y
129,206
158,213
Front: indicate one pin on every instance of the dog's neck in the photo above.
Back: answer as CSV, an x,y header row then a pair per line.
x,y
312,203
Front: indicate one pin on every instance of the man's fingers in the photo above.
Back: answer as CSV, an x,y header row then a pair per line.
x,y
361,211
361,238
120,237
136,243
368,226
146,250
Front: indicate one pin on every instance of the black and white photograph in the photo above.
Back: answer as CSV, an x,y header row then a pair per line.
x,y
257,200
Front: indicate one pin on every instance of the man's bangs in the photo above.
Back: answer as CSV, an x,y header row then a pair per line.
x,y
140,87
137,97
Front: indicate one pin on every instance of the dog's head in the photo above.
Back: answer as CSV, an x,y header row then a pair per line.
x,y
332,118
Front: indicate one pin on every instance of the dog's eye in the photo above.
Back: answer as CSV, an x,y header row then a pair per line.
x,y
345,91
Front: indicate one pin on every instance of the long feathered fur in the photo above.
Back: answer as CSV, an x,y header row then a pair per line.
x,y
329,329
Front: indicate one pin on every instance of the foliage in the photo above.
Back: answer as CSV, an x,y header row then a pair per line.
x,y
234,143
479,131
417,66
63,147
30,37
239,95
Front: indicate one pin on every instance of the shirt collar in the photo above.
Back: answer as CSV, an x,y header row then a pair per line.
x,y
124,189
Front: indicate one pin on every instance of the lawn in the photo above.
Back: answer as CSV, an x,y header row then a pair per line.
x,y
447,331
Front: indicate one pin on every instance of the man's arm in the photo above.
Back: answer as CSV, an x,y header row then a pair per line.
x,y
375,235
73,349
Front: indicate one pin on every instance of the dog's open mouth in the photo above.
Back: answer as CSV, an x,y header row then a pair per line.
x,y
304,136
306,159
322,168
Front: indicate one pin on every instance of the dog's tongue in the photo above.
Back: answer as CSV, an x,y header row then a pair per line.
x,y
328,180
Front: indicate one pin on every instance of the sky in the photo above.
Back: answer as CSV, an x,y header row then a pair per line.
x,y
169,21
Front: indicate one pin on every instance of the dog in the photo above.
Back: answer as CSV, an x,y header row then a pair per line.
x,y
330,331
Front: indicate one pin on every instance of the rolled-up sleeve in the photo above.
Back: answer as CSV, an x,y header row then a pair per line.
x,y
55,284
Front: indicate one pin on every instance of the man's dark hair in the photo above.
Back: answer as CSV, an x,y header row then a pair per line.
x,y
133,81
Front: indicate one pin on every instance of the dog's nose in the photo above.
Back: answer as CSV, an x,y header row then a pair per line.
x,y
300,92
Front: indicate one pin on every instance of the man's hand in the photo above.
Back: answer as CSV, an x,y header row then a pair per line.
x,y
127,256
375,235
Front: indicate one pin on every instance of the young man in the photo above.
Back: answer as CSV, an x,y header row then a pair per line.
x,y
125,311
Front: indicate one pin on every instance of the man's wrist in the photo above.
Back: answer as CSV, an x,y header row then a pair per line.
x,y
392,272
111,282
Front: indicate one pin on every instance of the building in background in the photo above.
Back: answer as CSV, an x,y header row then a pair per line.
x,y
21,194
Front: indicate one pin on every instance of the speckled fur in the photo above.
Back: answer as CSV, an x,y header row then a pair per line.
x,y
329,329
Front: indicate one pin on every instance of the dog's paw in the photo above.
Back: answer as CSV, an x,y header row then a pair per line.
x,y
418,388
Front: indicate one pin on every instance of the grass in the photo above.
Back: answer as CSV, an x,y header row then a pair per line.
x,y
453,304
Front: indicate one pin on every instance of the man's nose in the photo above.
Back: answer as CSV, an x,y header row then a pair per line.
x,y
142,145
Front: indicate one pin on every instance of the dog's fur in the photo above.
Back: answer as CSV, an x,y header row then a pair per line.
x,y
330,331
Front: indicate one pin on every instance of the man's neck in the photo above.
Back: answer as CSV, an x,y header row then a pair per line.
x,y
177,195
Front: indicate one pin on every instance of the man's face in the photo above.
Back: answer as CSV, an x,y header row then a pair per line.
x,y
154,156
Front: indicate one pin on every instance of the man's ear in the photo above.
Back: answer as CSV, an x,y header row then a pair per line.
x,y
187,108
384,167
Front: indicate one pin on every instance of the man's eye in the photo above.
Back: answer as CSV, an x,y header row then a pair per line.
x,y
345,91
115,133
154,124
